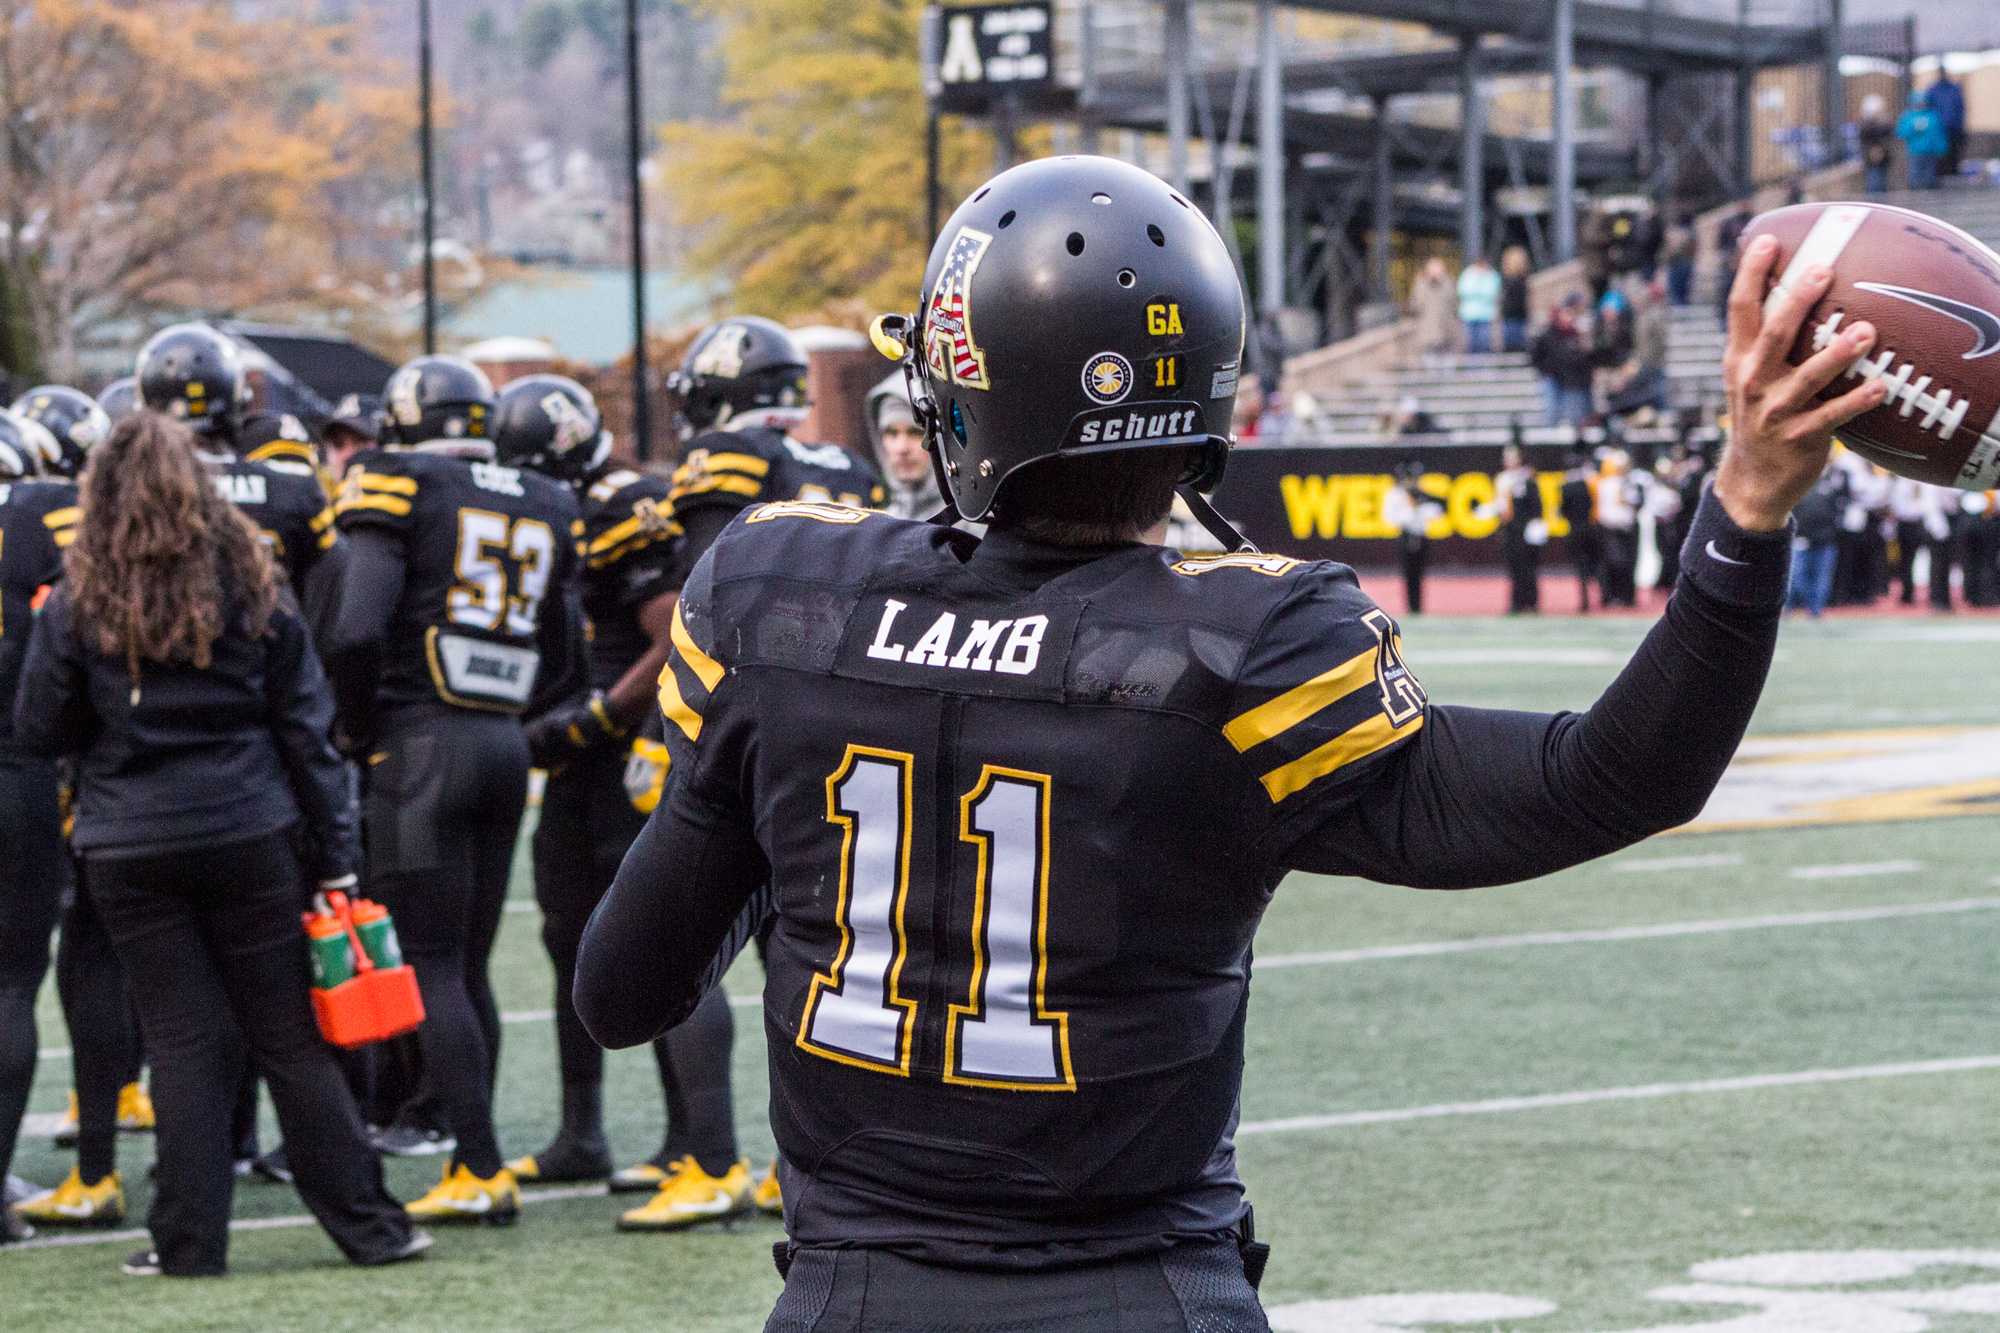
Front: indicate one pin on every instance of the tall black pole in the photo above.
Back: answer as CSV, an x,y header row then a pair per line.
x,y
642,438
430,185
931,174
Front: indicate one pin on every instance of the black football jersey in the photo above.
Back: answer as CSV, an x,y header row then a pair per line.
x,y
733,469
282,441
628,544
37,522
1020,839
289,509
485,548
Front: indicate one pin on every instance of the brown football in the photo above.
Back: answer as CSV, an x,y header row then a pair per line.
x,y
1933,294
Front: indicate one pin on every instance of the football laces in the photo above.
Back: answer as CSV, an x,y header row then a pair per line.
x,y
1909,393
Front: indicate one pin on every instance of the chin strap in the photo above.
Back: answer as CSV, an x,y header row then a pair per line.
x,y
1220,528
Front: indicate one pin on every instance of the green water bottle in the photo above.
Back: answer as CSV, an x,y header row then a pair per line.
x,y
332,957
378,934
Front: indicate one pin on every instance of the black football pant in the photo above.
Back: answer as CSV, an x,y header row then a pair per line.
x,y
446,787
103,1029
214,954
33,870
1524,591
1191,1288
587,826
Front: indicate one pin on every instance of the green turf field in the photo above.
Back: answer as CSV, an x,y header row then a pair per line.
x,y
1562,1102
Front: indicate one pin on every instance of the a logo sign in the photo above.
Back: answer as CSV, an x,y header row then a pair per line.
x,y
981,52
572,426
950,349
723,357
1984,324
402,395
1107,378
1146,423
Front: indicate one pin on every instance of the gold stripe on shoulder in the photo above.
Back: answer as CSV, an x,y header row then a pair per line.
x,y
613,535
321,521
720,482
377,481
62,518
706,669
749,464
1294,706
1353,744
387,504
675,708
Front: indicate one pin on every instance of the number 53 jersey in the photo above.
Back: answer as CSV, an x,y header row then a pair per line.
x,y
485,549
1022,821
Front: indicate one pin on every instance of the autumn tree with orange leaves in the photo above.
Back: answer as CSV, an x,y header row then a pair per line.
x,y
169,156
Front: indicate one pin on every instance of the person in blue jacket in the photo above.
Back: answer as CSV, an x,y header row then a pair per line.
x,y
1947,99
1923,134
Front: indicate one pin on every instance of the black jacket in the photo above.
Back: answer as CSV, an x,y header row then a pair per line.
x,y
191,757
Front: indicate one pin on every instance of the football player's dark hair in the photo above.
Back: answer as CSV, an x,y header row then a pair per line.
x,y
1091,499
160,555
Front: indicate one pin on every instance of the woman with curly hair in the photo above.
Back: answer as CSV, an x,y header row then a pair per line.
x,y
175,669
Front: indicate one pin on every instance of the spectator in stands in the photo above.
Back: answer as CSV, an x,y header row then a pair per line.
x,y
1514,273
1593,251
1578,503
1434,305
1619,497
1249,408
1877,135
1729,243
1677,248
1814,544
1479,290
1411,511
1611,343
1947,100
1640,380
1407,417
1924,136
1524,530
1563,360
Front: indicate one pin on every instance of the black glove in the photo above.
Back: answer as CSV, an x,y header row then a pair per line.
x,y
571,731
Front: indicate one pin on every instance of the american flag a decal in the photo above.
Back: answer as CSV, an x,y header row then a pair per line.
x,y
948,345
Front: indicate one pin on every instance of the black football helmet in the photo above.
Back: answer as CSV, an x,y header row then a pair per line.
x,y
737,366
120,398
195,375
550,423
437,398
1073,305
22,453
73,418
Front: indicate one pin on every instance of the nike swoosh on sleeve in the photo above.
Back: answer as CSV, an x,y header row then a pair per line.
x,y
1715,554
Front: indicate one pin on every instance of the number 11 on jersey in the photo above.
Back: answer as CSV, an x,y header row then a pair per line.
x,y
1004,1035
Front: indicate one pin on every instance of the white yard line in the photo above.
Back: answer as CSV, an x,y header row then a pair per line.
x,y
1855,870
1640,1092
1712,861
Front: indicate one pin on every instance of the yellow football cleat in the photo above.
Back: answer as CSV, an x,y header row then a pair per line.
x,y
768,1197
67,1129
689,1195
75,1204
463,1197
641,1179
135,1110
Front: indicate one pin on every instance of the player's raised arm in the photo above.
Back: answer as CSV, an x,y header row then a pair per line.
x,y
1479,796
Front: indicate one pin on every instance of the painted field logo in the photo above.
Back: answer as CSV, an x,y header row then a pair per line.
x,y
1858,777
1842,1291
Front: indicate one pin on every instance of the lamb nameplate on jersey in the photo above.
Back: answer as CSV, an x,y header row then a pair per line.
x,y
997,646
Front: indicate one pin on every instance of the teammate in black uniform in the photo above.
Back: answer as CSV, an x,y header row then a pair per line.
x,y
589,817
457,617
37,517
1019,803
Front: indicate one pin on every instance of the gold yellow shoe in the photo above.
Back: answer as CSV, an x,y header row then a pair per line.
x,y
68,1130
135,1110
75,1204
641,1179
463,1197
768,1197
689,1195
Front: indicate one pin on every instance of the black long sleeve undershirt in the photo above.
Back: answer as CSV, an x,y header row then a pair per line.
x,y
1477,797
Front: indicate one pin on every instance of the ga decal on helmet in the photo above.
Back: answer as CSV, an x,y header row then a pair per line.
x,y
723,357
1107,378
402,395
949,349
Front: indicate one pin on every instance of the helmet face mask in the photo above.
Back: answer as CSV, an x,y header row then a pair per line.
x,y
437,399
1074,305
195,375
74,419
744,364
551,424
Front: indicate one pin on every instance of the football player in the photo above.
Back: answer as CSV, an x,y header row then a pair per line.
x,y
59,426
195,375
588,817
37,518
457,617
1020,802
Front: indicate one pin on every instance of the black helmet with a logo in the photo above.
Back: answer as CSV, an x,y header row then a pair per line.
x,y
1074,305
550,423
23,452
193,374
437,398
72,417
741,365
